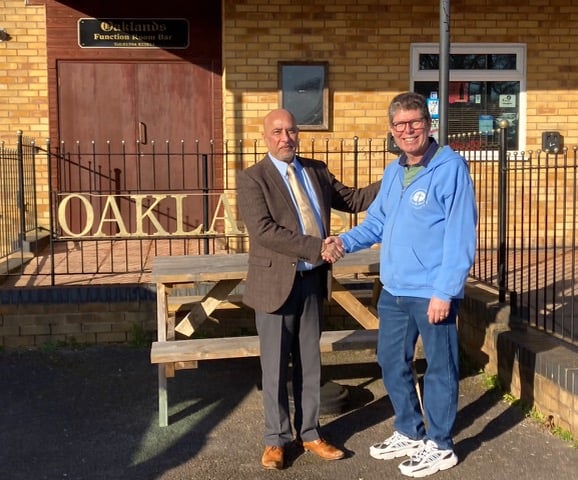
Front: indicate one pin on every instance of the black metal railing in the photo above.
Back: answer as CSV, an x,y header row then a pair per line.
x,y
18,202
526,203
527,234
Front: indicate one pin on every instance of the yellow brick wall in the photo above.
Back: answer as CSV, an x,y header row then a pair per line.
x,y
367,44
23,85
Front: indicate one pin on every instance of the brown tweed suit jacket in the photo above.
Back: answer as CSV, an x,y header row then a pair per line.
x,y
276,243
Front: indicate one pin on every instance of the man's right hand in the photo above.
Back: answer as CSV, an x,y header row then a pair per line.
x,y
332,250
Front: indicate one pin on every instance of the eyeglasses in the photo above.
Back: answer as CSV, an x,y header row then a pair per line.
x,y
416,124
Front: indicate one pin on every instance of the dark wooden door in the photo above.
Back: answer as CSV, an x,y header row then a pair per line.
x,y
133,127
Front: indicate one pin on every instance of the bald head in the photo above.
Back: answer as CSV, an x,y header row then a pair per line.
x,y
281,134
278,115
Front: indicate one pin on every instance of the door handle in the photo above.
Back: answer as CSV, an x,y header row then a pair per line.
x,y
142,133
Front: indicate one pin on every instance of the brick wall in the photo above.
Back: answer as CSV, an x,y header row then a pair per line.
x,y
110,314
23,85
366,44
36,325
367,47
535,367
23,88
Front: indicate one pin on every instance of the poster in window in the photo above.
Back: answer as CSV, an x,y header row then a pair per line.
x,y
459,92
507,101
486,124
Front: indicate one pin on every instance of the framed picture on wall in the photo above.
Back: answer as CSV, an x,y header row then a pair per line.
x,y
303,91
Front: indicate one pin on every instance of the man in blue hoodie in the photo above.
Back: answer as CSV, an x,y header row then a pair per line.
x,y
425,218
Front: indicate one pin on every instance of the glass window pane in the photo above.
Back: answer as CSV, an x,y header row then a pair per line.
x,y
475,106
430,61
502,62
302,90
468,62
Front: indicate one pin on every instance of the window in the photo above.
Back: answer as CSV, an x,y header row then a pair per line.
x,y
486,85
303,91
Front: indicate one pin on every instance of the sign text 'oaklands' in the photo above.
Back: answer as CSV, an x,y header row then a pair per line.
x,y
141,215
133,33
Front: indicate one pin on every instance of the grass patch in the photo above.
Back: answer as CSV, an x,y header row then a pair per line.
x,y
492,382
71,344
139,337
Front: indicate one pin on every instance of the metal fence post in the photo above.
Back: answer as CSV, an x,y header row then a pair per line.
x,y
21,200
52,206
502,210
205,185
355,170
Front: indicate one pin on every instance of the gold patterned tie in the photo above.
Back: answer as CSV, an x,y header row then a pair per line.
x,y
310,225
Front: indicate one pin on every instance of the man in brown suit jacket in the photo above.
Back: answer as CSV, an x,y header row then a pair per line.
x,y
288,277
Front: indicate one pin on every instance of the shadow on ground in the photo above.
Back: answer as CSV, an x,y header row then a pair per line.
x,y
91,414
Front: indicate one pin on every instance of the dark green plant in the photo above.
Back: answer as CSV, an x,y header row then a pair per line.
x,y
139,337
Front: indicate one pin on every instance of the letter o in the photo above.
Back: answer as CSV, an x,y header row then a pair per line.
x,y
62,215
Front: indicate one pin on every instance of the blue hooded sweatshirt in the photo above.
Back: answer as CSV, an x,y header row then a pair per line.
x,y
427,229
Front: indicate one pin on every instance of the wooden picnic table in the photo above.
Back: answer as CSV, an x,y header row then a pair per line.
x,y
227,271
223,273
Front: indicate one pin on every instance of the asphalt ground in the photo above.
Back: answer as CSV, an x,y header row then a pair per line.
x,y
92,414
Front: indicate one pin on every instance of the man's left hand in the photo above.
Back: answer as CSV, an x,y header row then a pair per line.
x,y
438,310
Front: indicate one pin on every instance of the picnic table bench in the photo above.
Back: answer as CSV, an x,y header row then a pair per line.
x,y
225,273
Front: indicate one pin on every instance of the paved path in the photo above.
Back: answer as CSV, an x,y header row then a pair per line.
x,y
92,415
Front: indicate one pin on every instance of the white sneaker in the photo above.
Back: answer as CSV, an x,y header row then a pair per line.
x,y
428,460
398,445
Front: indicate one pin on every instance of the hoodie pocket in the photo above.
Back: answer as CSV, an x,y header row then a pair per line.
x,y
408,269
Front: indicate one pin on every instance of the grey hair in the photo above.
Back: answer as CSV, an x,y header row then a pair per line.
x,y
409,101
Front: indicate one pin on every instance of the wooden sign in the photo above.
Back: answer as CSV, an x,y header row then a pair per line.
x,y
167,33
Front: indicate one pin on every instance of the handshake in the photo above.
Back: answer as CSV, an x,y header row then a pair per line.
x,y
332,249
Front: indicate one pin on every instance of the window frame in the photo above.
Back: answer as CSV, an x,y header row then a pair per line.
x,y
324,94
516,75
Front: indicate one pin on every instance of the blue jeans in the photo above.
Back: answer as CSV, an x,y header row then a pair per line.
x,y
401,321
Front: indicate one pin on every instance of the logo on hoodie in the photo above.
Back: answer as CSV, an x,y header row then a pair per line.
x,y
418,198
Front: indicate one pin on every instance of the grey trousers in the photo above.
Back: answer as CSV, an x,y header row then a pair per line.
x,y
289,343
